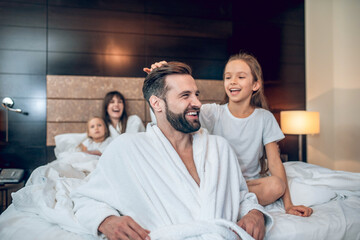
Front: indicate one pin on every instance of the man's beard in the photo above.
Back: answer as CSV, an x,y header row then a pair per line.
x,y
179,122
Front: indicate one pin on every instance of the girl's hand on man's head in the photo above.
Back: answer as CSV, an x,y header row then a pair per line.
x,y
153,66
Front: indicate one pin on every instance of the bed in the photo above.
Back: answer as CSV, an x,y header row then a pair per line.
x,y
43,209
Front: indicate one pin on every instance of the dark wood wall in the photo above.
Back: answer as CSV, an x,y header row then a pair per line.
x,y
275,33
119,38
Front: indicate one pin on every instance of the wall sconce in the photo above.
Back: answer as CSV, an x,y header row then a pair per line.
x,y
300,123
8,104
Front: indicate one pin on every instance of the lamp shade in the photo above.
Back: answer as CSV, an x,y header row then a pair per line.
x,y
300,122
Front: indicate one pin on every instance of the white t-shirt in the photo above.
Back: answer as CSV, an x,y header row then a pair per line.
x,y
96,146
134,124
247,136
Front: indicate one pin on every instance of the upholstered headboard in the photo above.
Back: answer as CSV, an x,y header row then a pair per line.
x,y
72,100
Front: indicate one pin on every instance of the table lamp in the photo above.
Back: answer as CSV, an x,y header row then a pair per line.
x,y
300,123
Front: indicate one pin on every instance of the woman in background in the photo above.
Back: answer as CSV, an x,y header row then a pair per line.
x,y
115,115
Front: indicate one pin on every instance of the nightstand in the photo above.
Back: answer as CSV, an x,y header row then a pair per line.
x,y
5,193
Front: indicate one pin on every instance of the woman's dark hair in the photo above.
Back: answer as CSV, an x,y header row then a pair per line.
x,y
124,117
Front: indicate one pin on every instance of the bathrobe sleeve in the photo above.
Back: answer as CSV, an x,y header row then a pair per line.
x,y
93,200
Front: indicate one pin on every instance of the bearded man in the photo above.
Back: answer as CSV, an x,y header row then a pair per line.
x,y
172,182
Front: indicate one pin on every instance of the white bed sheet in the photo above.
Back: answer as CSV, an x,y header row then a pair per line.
x,y
337,219
334,196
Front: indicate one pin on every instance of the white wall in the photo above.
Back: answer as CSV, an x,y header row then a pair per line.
x,y
332,30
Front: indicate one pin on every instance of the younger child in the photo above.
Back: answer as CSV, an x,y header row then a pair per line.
x,y
98,137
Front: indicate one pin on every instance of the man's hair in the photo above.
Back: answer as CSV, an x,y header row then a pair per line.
x,y
155,84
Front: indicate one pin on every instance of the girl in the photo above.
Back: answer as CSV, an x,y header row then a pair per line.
x,y
249,127
98,137
114,113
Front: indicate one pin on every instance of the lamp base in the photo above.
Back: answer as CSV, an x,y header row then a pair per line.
x,y
302,148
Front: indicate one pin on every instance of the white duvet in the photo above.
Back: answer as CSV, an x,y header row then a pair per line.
x,y
43,209
47,192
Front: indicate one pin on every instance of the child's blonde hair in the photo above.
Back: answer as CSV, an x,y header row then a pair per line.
x,y
107,134
258,99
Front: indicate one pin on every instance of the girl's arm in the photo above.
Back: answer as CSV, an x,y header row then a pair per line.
x,y
277,169
84,149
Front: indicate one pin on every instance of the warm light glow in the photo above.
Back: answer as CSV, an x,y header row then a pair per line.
x,y
300,122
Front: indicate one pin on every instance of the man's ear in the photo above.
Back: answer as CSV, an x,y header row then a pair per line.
x,y
155,103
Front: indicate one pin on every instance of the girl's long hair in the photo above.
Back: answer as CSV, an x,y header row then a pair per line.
x,y
258,99
124,117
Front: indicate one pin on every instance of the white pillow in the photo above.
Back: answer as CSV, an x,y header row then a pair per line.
x,y
309,195
68,142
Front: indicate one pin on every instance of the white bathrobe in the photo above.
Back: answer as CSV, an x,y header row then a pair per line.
x,y
142,176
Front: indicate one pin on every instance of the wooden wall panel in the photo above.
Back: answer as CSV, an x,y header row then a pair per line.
x,y
118,38
201,68
22,77
22,38
23,86
22,14
180,47
96,20
276,38
96,42
185,26
22,62
124,66
123,5
95,64
195,8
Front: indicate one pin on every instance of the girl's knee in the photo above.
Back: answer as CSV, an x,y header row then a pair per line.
x,y
278,186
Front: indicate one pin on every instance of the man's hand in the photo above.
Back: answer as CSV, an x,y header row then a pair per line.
x,y
299,210
153,66
254,224
123,228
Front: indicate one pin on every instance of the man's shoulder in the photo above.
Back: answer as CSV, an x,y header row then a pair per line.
x,y
126,140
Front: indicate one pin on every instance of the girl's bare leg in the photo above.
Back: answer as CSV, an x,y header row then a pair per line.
x,y
267,189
